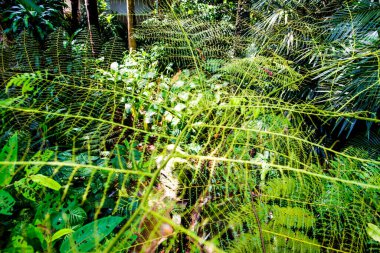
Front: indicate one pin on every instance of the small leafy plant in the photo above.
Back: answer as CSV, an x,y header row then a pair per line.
x,y
38,18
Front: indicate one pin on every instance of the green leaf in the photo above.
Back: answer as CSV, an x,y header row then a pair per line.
x,y
8,102
33,232
71,216
41,33
8,154
19,244
373,231
14,26
61,233
77,215
46,181
26,22
26,80
30,190
30,5
6,203
50,25
8,30
90,235
40,157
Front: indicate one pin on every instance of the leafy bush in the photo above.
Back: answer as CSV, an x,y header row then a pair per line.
x,y
104,150
38,18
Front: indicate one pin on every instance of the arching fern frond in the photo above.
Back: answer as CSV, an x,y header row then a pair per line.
x,y
263,74
188,42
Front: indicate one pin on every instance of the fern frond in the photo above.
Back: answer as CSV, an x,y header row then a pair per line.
x,y
188,42
263,74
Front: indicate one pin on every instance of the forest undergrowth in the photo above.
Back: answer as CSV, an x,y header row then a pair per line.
x,y
202,140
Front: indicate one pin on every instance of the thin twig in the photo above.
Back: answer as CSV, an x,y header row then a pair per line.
x,y
258,225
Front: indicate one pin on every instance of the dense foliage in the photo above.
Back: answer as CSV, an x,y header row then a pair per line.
x,y
248,126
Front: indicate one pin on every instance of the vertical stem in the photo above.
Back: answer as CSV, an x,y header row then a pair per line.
x,y
130,12
258,225
88,12
92,13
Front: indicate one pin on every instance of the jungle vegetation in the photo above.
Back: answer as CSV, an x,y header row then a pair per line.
x,y
200,126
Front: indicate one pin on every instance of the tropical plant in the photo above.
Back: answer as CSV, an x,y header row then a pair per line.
x,y
207,10
39,18
187,42
106,153
347,75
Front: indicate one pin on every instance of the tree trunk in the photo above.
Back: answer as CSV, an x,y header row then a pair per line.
x,y
74,15
92,21
242,24
130,13
92,13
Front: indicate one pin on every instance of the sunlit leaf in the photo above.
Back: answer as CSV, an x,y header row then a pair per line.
x,y
60,233
373,231
46,181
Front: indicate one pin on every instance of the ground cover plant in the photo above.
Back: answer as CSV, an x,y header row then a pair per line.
x,y
248,126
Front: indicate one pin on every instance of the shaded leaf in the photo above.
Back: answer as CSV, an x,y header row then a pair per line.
x,y
88,237
8,154
6,203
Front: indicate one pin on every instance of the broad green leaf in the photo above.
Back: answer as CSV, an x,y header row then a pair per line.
x,y
33,232
46,181
6,203
373,231
30,190
73,216
89,236
77,215
30,5
61,233
8,154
